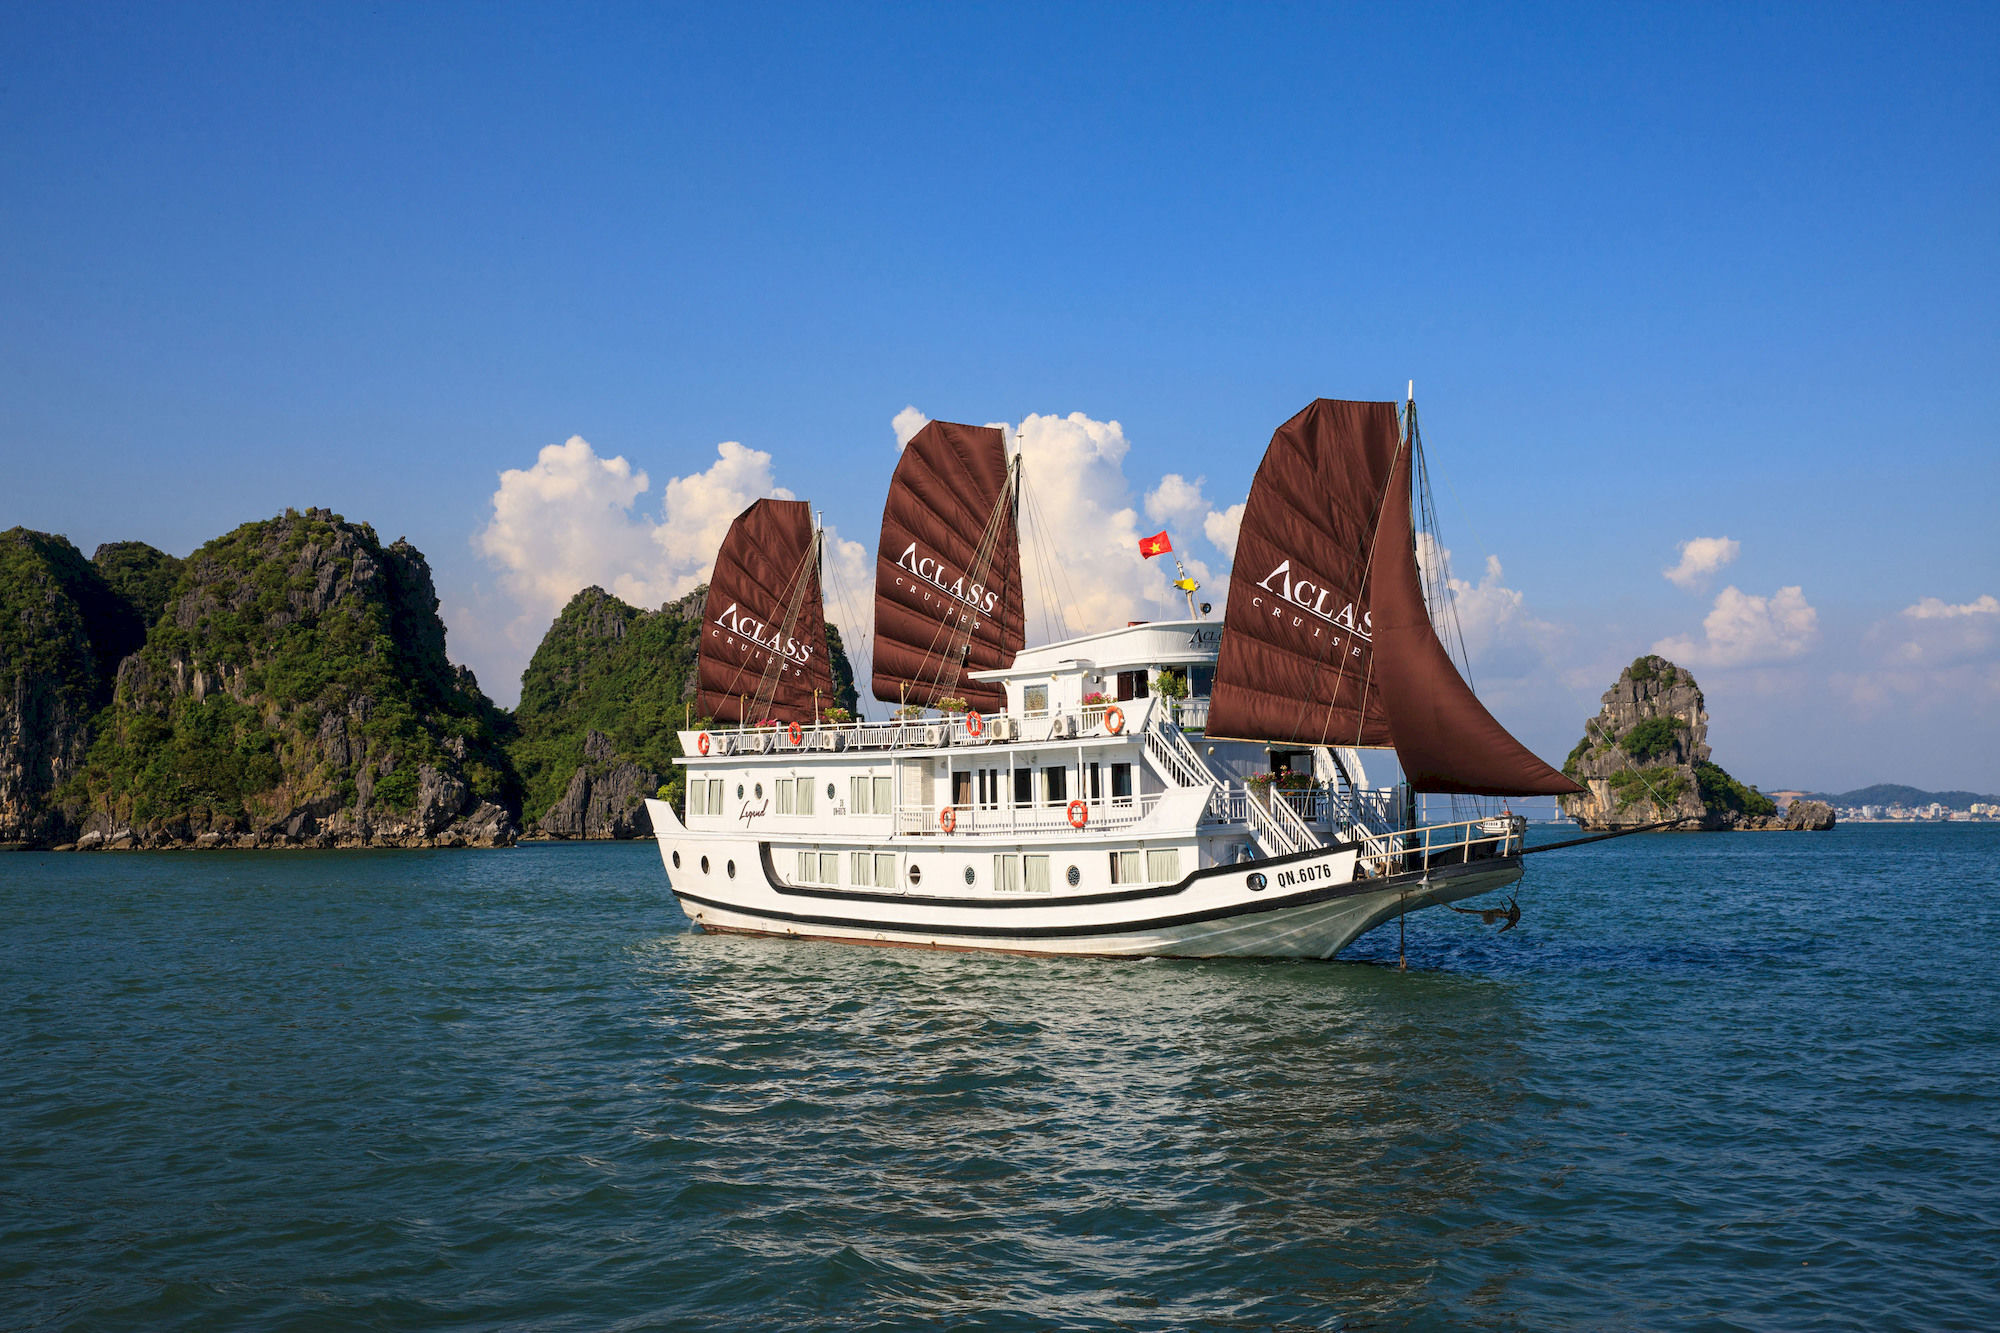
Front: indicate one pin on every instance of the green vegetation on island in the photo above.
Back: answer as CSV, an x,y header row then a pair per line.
x,y
1644,759
287,684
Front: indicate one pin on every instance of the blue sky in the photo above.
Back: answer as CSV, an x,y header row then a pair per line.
x,y
1660,273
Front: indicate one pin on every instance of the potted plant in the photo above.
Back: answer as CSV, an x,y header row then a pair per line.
x,y
908,712
838,717
951,703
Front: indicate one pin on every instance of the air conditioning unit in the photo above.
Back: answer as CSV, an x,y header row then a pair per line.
x,y
1065,726
1002,728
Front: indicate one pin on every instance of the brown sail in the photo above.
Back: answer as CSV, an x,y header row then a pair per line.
x,y
1296,658
948,569
763,640
1445,738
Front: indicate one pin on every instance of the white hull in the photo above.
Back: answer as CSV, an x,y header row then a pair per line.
x,y
1309,905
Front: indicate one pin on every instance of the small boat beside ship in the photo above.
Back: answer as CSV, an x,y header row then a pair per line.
x,y
1179,789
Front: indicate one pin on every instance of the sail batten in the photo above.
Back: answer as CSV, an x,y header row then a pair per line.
x,y
763,643
948,569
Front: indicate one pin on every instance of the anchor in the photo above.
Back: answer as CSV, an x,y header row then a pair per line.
x,y
1511,913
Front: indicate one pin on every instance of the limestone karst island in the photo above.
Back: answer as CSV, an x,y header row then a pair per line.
x,y
1644,760
286,685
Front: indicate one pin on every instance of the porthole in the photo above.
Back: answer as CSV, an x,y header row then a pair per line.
x,y
829,791
969,875
1257,882
732,870
1074,877
916,875
739,791
677,860
760,791
704,865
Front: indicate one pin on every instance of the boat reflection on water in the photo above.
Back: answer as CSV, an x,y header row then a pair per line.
x,y
982,1133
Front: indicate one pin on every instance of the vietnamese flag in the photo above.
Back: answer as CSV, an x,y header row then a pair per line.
x,y
1155,545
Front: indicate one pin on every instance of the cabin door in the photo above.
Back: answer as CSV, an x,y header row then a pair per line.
x,y
961,788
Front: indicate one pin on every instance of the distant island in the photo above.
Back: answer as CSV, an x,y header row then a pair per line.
x,y
1890,801
286,685
1644,759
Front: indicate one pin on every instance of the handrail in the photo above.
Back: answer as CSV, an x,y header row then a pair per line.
x,y
1176,758
1295,830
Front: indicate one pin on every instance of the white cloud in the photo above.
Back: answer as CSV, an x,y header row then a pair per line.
x,y
1221,527
1744,630
1700,558
573,520
906,424
565,523
1936,608
1501,637
1176,500
696,513
1083,510
1932,656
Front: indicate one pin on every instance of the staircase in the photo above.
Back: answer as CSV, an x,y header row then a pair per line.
x,y
1176,760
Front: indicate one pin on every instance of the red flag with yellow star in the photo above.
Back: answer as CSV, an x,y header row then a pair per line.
x,y
1155,545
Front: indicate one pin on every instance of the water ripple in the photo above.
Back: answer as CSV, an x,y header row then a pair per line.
x,y
1708,1083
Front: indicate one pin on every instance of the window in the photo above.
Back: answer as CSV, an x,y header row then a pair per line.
x,y
1007,873
715,796
1035,874
805,801
808,868
1163,866
1131,685
1024,786
1201,681
1055,785
784,797
1121,783
1125,867
869,796
1095,789
885,869
697,799
819,868
1034,700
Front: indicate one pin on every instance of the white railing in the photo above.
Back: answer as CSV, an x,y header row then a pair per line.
x,y
1100,815
1190,714
1289,828
1180,762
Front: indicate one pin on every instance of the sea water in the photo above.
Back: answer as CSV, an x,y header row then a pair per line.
x,y
1722,1081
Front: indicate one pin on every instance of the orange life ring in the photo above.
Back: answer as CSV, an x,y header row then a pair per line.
x,y
974,724
1114,720
701,742
1079,814
948,818
796,734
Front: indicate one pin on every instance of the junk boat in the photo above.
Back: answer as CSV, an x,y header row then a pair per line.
x,y
1176,789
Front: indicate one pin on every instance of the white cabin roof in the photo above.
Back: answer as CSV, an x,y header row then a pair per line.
x,y
1148,644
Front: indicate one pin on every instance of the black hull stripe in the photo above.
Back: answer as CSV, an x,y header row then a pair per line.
x,y
1084,899
1305,899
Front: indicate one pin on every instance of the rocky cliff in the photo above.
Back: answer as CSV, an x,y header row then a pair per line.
x,y
287,685
294,690
602,703
1644,759
57,624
